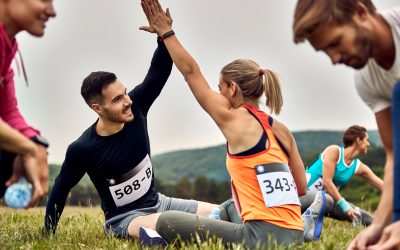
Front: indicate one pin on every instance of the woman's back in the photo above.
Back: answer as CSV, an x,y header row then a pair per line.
x,y
263,182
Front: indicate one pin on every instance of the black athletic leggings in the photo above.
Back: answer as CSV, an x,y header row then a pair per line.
x,y
229,212
6,169
253,234
332,210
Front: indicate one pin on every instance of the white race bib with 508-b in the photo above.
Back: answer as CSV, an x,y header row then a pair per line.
x,y
277,184
134,184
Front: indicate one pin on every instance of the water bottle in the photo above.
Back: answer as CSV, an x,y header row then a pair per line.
x,y
357,218
215,214
19,194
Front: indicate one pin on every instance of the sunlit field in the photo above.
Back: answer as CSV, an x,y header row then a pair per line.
x,y
81,228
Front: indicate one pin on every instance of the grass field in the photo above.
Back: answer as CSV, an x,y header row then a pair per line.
x,y
81,228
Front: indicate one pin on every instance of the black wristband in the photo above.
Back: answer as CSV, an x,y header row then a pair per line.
x,y
166,35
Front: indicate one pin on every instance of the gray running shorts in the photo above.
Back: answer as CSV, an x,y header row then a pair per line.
x,y
118,225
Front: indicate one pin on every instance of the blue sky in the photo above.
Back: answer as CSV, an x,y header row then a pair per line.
x,y
93,35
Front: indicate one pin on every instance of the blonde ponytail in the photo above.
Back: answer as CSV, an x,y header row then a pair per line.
x,y
253,82
272,89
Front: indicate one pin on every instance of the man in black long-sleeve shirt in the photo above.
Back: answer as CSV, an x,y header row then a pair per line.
x,y
115,152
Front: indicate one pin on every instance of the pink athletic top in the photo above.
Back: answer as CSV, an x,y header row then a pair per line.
x,y
8,102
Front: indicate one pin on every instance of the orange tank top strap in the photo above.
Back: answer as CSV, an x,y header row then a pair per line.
x,y
273,146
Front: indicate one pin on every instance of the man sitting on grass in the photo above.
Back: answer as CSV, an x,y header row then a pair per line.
x,y
115,152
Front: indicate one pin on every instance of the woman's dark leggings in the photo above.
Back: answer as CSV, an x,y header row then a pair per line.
x,y
252,233
229,212
332,210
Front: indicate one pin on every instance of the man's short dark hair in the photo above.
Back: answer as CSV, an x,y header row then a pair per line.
x,y
93,85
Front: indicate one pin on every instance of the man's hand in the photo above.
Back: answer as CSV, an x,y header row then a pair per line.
x,y
366,238
390,239
160,22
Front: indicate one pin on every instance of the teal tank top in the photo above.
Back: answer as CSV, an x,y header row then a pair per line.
x,y
343,172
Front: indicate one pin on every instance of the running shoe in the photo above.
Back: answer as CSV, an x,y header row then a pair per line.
x,y
309,226
313,217
150,238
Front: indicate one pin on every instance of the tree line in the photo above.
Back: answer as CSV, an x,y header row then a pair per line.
x,y
202,189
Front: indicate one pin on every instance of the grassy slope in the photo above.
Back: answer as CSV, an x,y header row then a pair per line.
x,y
81,228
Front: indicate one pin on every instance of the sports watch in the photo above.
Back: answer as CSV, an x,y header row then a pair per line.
x,y
40,140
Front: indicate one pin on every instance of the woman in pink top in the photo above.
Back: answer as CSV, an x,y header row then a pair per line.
x,y
22,150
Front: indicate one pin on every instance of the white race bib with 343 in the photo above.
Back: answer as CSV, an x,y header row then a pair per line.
x,y
277,184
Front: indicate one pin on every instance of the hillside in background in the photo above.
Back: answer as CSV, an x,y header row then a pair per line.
x,y
201,173
316,141
210,162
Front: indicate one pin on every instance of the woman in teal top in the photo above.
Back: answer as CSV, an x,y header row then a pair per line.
x,y
334,168
342,173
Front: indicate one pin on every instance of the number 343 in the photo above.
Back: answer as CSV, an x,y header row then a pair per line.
x,y
281,184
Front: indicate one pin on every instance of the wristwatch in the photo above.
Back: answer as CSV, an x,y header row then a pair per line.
x,y
40,140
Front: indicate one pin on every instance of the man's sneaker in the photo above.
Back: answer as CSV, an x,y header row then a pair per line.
x,y
150,238
314,216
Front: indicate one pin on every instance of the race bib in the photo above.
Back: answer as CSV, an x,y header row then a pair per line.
x,y
277,184
317,185
132,185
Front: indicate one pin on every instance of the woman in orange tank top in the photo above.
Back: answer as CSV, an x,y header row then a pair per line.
x,y
266,188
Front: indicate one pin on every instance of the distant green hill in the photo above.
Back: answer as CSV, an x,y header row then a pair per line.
x,y
316,141
181,173
210,161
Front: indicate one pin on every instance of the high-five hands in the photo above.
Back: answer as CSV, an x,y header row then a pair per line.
x,y
160,21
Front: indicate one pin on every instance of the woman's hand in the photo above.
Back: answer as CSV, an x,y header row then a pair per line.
x,y
352,213
27,165
160,22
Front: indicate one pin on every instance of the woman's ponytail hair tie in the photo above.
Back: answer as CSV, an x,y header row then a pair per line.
x,y
261,72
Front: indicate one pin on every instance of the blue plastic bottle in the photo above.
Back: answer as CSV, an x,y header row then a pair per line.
x,y
19,194
215,214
